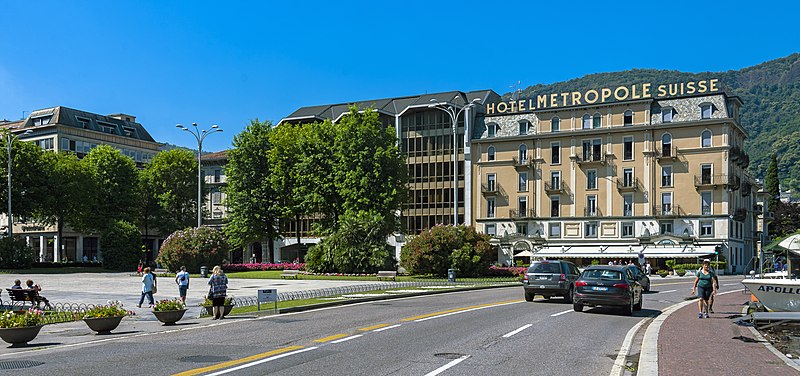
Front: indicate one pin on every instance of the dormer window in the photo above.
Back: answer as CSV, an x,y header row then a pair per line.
x,y
666,114
493,129
129,131
628,118
83,122
523,127
107,128
44,120
705,110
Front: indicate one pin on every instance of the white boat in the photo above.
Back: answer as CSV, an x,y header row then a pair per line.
x,y
779,295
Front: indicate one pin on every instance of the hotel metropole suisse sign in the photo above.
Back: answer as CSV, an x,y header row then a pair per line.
x,y
603,95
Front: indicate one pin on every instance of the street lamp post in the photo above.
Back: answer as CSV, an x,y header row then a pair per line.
x,y
199,135
9,139
454,112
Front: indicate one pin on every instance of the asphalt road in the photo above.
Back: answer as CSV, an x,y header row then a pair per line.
x,y
484,332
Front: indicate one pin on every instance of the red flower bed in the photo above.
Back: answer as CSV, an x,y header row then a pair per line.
x,y
263,266
502,271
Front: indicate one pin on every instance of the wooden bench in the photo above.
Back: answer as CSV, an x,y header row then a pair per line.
x,y
22,295
290,273
386,274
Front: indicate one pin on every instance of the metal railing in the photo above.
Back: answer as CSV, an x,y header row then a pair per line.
x,y
525,213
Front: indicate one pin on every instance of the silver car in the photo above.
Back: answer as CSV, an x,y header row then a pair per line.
x,y
550,278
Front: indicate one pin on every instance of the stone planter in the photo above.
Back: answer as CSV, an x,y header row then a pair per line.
x,y
228,309
103,325
169,317
20,336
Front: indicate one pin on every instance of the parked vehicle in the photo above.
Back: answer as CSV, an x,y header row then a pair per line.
x,y
550,278
644,280
610,285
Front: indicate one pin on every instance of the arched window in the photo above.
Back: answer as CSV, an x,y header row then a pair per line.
x,y
493,129
706,138
628,118
597,121
523,153
587,121
555,124
490,153
666,145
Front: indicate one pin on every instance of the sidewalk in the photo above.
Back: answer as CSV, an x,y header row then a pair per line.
x,y
715,345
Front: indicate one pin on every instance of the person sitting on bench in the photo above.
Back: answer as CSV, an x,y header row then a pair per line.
x,y
35,292
17,285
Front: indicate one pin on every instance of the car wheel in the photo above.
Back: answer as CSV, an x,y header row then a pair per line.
x,y
638,306
529,296
568,297
577,307
628,309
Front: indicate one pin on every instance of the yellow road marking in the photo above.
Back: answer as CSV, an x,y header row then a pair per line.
x,y
373,327
331,338
458,310
232,363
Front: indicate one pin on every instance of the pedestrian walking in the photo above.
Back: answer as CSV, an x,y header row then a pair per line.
x,y
139,269
217,292
705,288
148,287
182,279
716,286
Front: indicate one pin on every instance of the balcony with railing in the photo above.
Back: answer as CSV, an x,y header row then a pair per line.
x,y
592,212
715,180
522,213
591,159
666,210
666,154
522,163
628,185
555,189
490,189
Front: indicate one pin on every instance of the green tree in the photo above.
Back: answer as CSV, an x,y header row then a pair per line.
x,y
192,248
358,245
444,247
252,201
284,155
120,245
112,196
15,253
68,182
772,182
168,192
29,179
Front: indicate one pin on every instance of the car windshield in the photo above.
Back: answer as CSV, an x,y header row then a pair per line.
x,y
552,268
602,274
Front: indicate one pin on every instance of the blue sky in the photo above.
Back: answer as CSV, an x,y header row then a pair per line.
x,y
170,62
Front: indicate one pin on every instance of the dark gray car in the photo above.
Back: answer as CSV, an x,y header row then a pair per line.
x,y
641,276
608,286
550,278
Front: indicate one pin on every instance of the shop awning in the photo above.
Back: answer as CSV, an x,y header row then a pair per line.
x,y
626,252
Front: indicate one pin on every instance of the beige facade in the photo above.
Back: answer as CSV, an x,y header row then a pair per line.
x,y
665,178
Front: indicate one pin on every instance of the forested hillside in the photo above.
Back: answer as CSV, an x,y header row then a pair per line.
x,y
771,113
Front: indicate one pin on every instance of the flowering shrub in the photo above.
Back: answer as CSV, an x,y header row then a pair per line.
x,y
443,247
228,301
110,309
502,271
192,248
275,266
169,305
31,317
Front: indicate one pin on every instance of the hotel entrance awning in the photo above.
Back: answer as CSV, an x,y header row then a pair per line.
x,y
674,251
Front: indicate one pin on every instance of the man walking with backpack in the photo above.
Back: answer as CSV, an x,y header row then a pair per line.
x,y
182,279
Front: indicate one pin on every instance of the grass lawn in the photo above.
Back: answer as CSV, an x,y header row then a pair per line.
x,y
64,270
276,274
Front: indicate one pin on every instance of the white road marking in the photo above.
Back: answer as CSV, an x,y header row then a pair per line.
x,y
509,334
664,292
732,284
446,366
386,328
347,338
561,313
247,365
619,363
464,311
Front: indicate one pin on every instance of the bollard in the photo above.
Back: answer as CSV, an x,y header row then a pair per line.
x,y
204,271
451,275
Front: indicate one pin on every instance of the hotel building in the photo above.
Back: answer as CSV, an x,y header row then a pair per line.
x,y
659,177
66,129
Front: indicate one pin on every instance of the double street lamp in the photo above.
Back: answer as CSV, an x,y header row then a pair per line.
x,y
454,112
199,135
10,137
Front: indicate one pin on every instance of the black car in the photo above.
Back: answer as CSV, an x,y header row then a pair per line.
x,y
644,280
550,278
608,286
